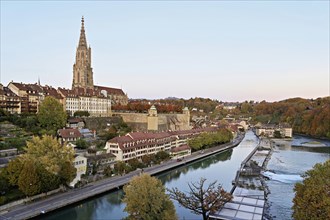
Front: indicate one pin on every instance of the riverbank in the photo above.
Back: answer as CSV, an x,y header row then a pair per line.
x,y
73,196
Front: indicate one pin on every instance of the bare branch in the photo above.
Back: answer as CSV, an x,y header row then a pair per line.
x,y
199,200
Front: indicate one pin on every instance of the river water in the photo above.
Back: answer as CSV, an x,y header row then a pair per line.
x,y
222,167
289,161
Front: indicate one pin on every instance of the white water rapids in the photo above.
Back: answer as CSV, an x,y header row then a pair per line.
x,y
284,178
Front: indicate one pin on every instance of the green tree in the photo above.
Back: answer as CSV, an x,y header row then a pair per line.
x,y
81,114
49,181
51,115
121,167
162,155
4,183
67,172
202,201
147,159
135,164
312,199
13,170
145,198
107,171
83,144
28,181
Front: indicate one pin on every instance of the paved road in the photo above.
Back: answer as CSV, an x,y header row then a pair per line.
x,y
56,201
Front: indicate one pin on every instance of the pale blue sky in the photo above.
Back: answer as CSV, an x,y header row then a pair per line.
x,y
225,50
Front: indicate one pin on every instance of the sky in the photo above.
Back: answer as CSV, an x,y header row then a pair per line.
x,y
224,50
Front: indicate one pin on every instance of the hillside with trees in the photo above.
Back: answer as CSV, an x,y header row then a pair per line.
x,y
310,117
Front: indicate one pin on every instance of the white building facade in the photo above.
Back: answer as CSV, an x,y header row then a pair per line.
x,y
138,144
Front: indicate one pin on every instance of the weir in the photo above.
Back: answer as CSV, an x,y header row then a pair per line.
x,y
249,194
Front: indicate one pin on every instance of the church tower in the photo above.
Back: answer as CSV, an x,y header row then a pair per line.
x,y
82,70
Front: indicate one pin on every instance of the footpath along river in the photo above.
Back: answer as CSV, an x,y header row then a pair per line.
x,y
286,162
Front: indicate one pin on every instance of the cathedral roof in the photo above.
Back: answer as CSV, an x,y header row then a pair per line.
x,y
113,91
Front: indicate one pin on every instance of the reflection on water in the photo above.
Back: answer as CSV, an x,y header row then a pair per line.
x,y
172,175
221,167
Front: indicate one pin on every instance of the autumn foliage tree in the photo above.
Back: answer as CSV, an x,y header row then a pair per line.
x,y
45,165
200,200
306,116
145,199
312,199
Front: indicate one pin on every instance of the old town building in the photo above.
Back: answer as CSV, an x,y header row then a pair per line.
x,y
137,144
9,101
31,95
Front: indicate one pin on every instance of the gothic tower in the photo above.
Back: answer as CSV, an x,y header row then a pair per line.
x,y
82,70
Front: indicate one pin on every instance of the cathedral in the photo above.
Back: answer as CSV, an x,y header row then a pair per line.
x,y
83,72
83,96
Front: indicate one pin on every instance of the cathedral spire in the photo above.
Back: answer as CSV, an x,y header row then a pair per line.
x,y
82,39
82,69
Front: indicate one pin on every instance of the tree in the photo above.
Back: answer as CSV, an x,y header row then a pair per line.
x,y
14,169
45,165
162,155
145,198
202,201
51,115
312,199
135,164
67,172
29,181
49,152
81,114
121,167
147,159
83,144
4,183
49,181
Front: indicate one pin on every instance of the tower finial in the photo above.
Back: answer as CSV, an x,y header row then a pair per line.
x,y
82,39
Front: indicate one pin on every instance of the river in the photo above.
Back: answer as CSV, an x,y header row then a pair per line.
x,y
289,161
221,167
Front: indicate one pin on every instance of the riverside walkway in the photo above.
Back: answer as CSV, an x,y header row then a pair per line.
x,y
48,204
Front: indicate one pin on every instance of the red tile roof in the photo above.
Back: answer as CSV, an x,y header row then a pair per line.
x,y
113,91
69,133
74,120
137,139
38,89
